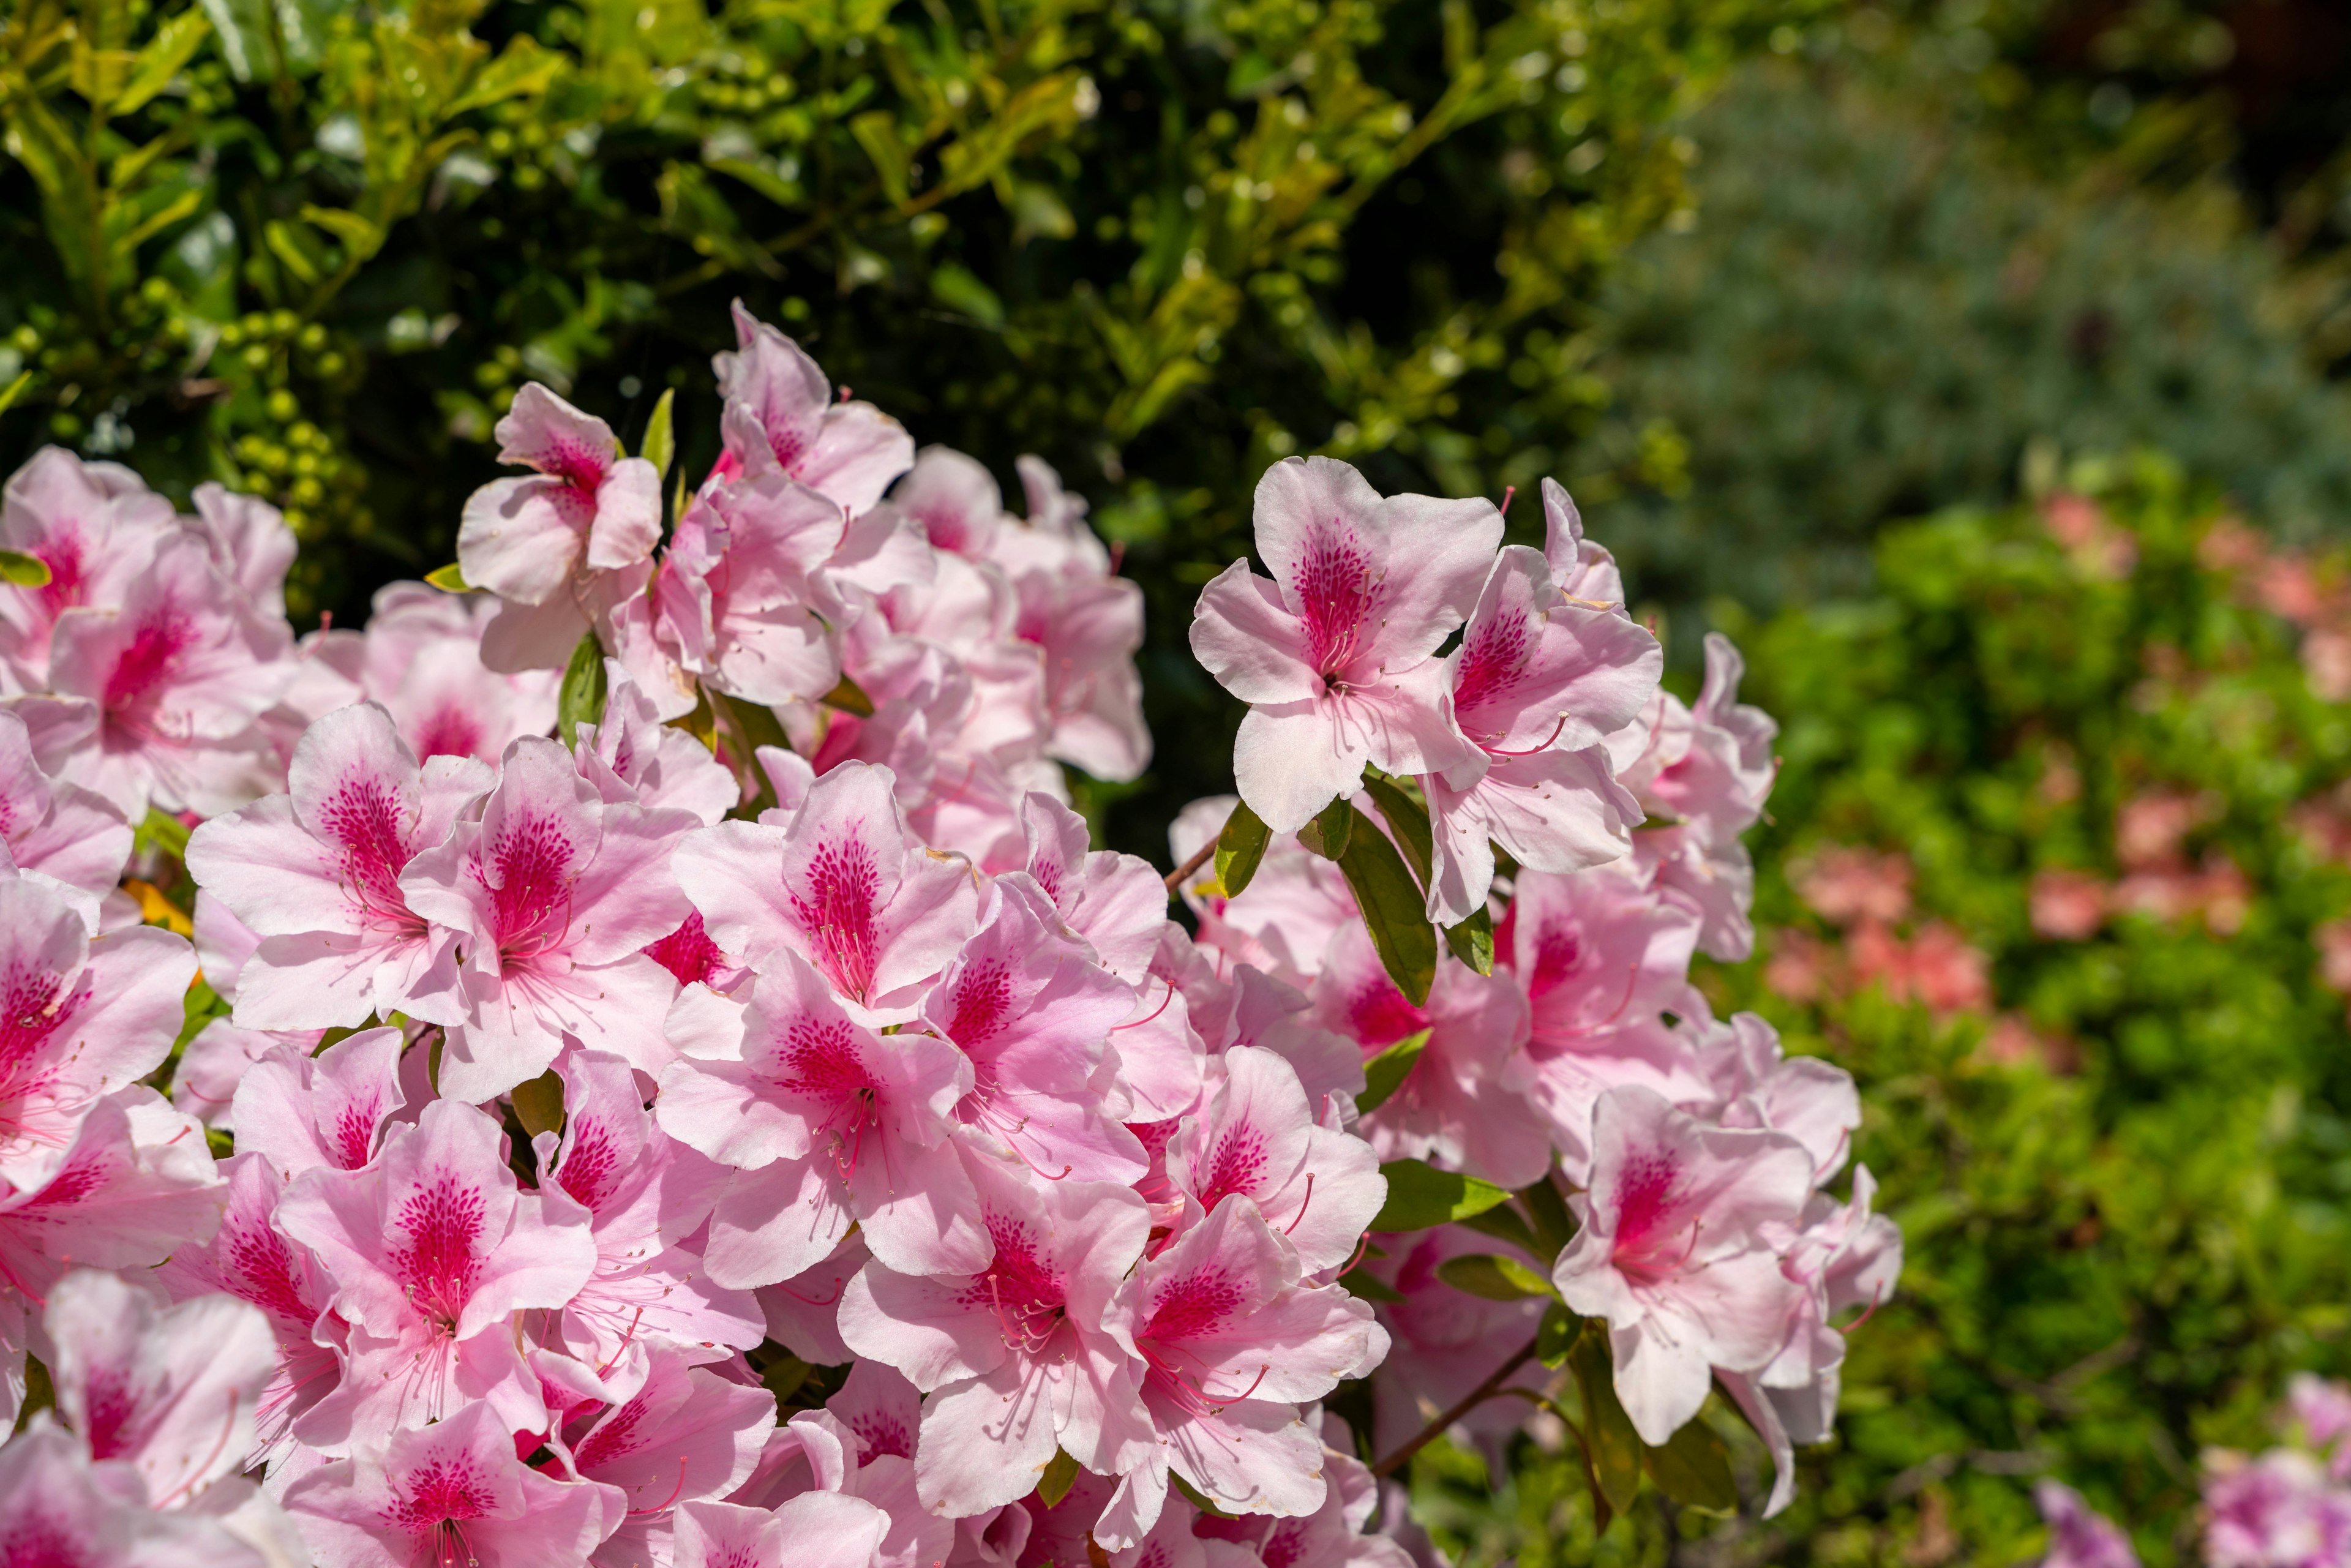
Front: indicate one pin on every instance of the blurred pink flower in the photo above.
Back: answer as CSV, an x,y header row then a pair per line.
x,y
1844,884
2068,905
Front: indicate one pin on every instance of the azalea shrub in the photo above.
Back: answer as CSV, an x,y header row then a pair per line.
x,y
752,1123
2058,869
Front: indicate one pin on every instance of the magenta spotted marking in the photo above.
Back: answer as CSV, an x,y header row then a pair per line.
x,y
1236,1163
1493,663
150,662
35,1004
983,1001
362,819
591,1165
32,1541
1020,1288
443,1491
1336,595
1195,1305
530,900
1651,1243
351,1140
688,952
258,1267
838,915
450,730
442,1223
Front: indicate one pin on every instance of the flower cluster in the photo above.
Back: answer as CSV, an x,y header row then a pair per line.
x,y
772,1033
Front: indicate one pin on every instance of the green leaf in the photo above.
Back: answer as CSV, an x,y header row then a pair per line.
x,y
876,130
1554,1228
361,236
1503,1222
1420,1197
850,698
1472,941
1693,1469
449,579
784,1376
582,700
1371,1288
16,566
1393,912
1198,1497
539,1105
8,397
1386,1073
1611,1445
1240,849
521,67
1555,1336
1061,1475
163,833
1327,834
165,56
660,437
1493,1276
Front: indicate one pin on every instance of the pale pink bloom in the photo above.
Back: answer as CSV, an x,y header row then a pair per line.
x,y
554,891
955,500
647,1197
422,659
95,526
2320,1408
781,412
1117,901
316,874
739,598
1335,653
847,886
211,1066
2149,829
1283,922
2097,547
1600,957
300,1111
57,832
2067,905
168,1391
1583,571
586,507
1812,1100
2079,1535
1333,1536
631,757
250,544
840,1125
1235,1342
453,1492
1033,1013
252,1261
1843,883
1255,1137
1675,1252
431,1248
802,1312
1013,1358
1463,1103
1937,967
56,1507
1264,1013
1802,967
79,1018
1537,683
2275,1512
817,1530
682,1434
1445,1341
136,1183
174,681
2326,663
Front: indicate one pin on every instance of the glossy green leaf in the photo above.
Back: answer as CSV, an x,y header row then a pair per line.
x,y
1693,1469
1240,849
1385,1074
850,698
8,397
1609,1440
164,56
161,830
660,447
1420,1195
1371,1288
581,699
539,1104
1503,1222
23,570
522,67
449,580
1392,912
1493,1276
1472,941
1061,1475
1329,833
1556,1335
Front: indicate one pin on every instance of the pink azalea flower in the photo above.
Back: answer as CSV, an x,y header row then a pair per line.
x,y
168,1391
1537,683
1283,922
1463,1103
780,411
136,1182
2276,1511
1812,1100
645,1195
1333,1536
1335,653
2320,1408
1675,1251
841,1125
954,498
1117,901
453,1492
57,832
1443,1342
816,1530
316,874
431,1249
56,1507
1013,1358
846,885
79,1018
802,1312
172,681
738,595
1034,1014
301,1112
555,891
1234,1343
422,659
682,1434
95,526
1583,571
252,1261
631,757
2079,1535
251,546
1254,1138
587,509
